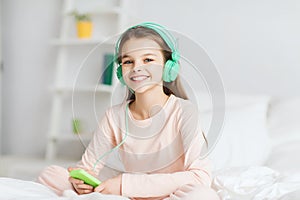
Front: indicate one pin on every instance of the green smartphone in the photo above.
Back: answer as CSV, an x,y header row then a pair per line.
x,y
86,177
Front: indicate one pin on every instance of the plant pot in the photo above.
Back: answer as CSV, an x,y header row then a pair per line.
x,y
84,29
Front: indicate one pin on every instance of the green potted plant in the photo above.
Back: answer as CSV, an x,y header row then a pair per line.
x,y
76,125
83,23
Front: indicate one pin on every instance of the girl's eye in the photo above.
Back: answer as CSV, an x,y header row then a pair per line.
x,y
127,62
148,60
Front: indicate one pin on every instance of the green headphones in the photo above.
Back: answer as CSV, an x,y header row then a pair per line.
x,y
171,67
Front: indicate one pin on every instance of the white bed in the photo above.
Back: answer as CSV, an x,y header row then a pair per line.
x,y
15,189
255,158
257,155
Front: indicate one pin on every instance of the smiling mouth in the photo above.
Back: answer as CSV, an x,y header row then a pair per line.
x,y
139,78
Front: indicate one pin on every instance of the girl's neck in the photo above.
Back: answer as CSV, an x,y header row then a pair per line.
x,y
148,103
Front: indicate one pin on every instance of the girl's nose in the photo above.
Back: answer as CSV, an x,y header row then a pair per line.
x,y
137,67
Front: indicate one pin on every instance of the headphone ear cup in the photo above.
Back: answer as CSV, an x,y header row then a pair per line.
x,y
171,70
120,75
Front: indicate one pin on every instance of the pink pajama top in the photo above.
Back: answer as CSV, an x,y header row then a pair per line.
x,y
156,156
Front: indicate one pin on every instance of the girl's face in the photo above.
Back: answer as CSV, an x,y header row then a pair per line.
x,y
142,64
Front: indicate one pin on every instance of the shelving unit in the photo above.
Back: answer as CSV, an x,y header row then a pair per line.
x,y
79,65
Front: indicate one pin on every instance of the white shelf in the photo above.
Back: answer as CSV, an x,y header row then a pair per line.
x,y
100,11
77,41
98,89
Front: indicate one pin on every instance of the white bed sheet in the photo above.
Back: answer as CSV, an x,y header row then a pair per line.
x,y
242,183
28,190
255,183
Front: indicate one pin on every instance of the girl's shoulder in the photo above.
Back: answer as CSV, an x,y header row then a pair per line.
x,y
118,108
184,104
113,114
184,109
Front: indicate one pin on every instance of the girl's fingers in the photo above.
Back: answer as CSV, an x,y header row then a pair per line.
x,y
100,188
75,181
84,187
80,187
82,191
72,168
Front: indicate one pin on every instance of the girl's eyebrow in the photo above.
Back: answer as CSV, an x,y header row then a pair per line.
x,y
149,54
125,56
146,54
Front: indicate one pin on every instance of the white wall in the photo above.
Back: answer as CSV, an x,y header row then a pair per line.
x,y
0,78
255,44
28,71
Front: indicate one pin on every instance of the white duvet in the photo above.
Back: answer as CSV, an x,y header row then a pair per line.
x,y
255,183
15,189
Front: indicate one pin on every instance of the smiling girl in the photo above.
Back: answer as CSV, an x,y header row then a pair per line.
x,y
154,132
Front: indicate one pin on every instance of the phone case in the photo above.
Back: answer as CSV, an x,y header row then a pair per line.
x,y
86,177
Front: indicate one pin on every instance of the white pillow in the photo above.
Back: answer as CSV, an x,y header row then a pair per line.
x,y
244,140
284,129
284,120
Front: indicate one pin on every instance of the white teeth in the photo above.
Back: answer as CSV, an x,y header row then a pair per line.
x,y
139,78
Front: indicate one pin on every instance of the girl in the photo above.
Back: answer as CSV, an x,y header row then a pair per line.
x,y
149,146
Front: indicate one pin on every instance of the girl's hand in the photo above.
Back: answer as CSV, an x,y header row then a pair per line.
x,y
111,186
79,185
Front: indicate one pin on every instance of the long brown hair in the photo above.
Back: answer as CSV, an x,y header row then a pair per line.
x,y
175,87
